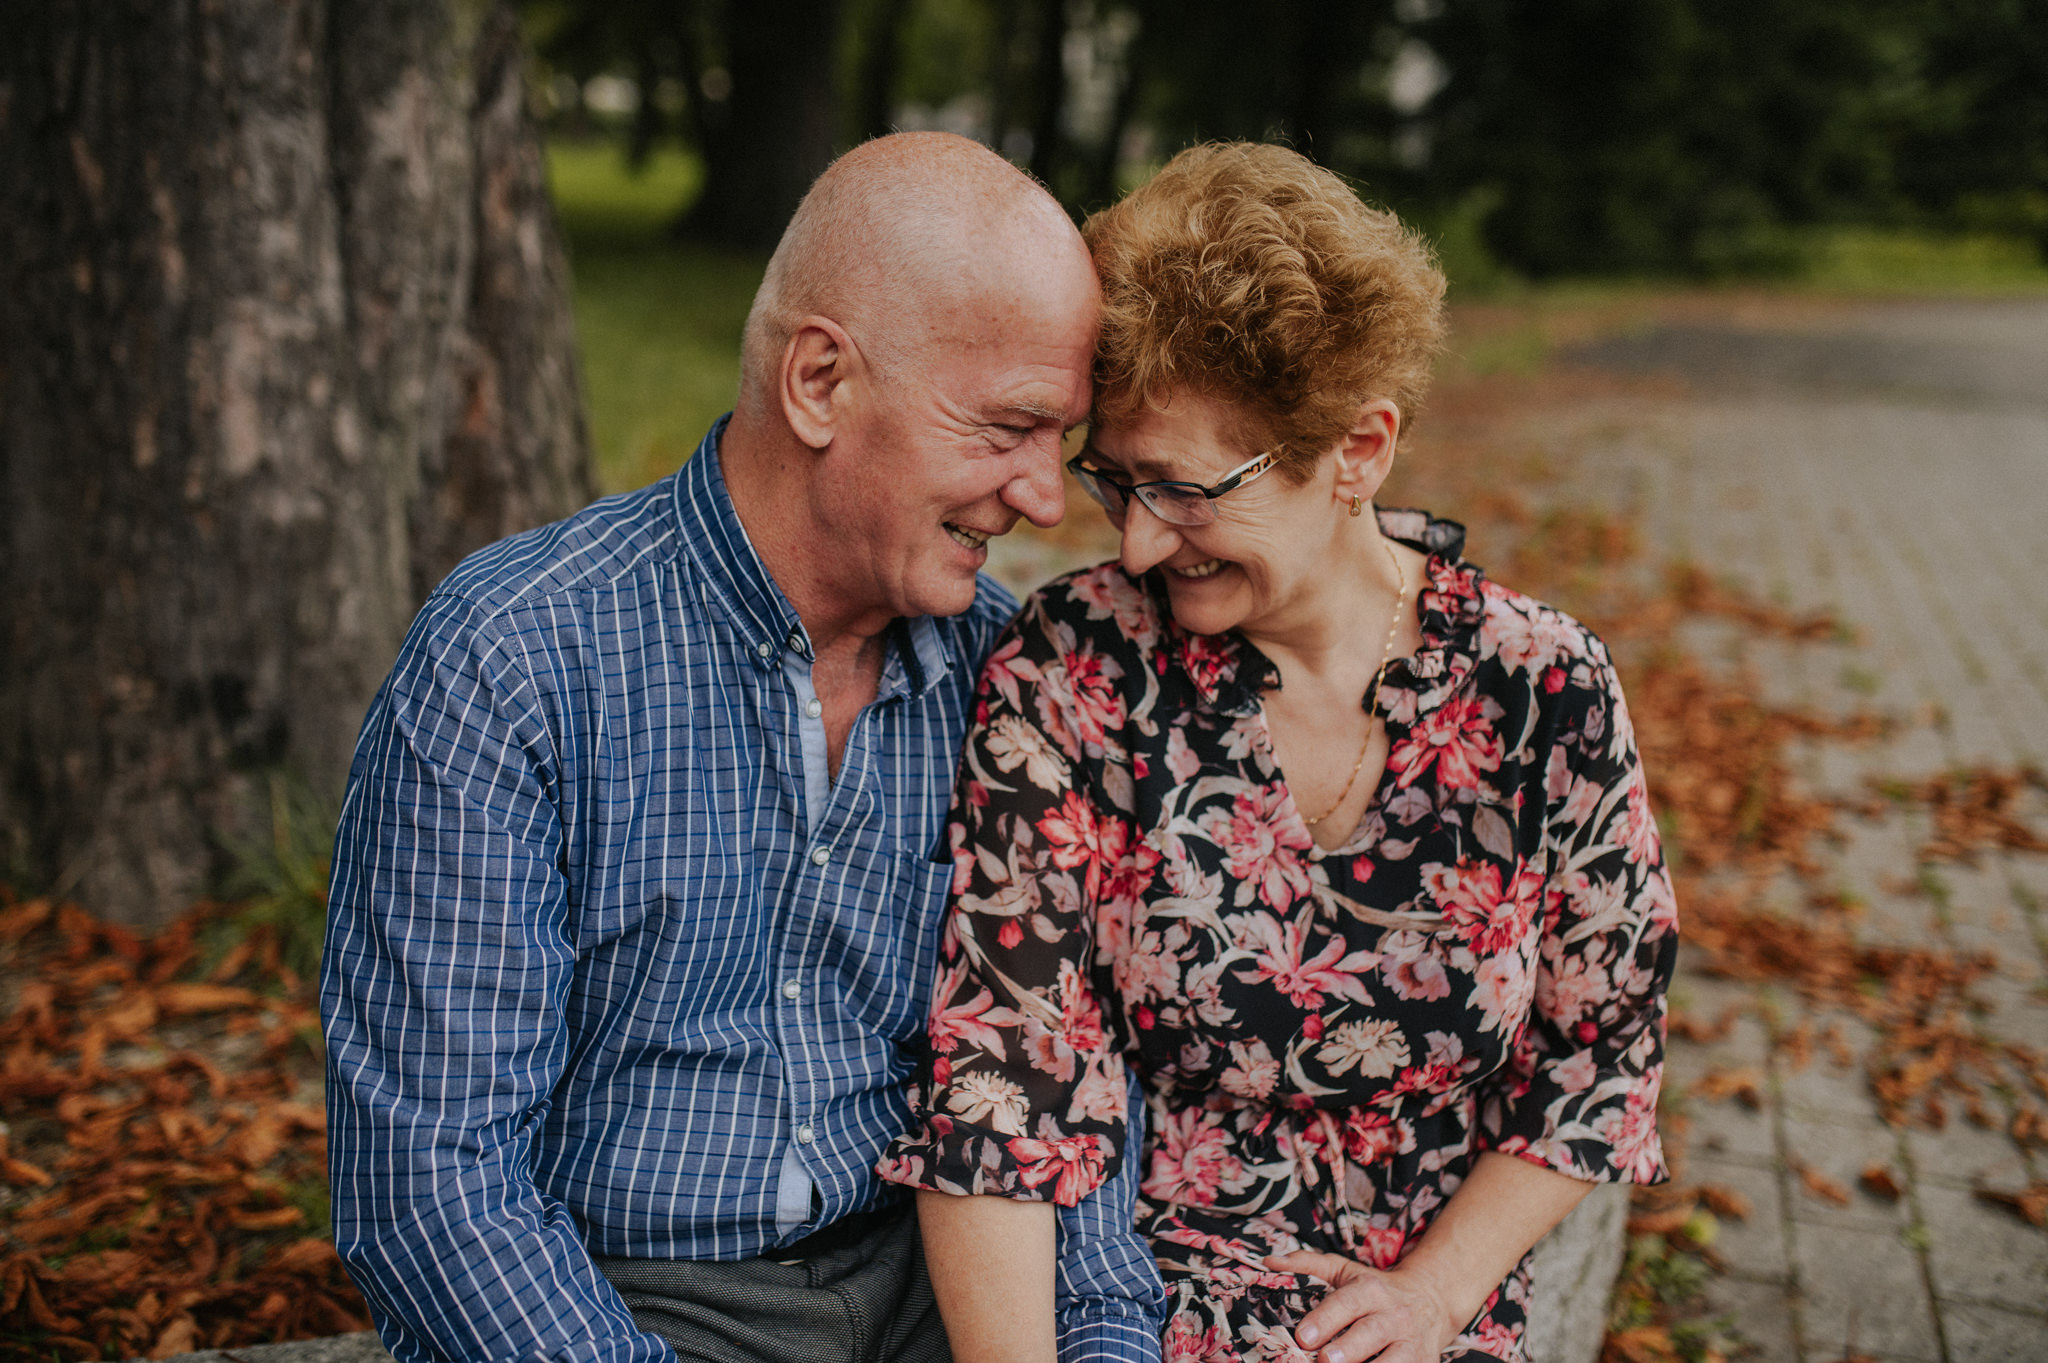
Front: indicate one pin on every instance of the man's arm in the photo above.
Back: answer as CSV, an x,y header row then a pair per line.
x,y
448,959
1110,1303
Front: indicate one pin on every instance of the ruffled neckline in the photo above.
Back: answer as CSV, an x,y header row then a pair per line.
x,y
1229,673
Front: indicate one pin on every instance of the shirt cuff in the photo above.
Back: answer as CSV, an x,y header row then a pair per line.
x,y
1091,1337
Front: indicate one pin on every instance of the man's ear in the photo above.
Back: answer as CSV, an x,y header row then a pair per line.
x,y
1366,454
816,365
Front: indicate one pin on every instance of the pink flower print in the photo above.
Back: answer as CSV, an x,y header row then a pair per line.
x,y
1279,945
1639,826
1096,703
1209,660
1077,836
1457,739
1525,636
1252,1073
974,1021
1381,1246
1372,1136
1411,968
1632,1131
1263,850
1571,986
1491,918
1192,1162
1186,1341
1108,594
1075,1161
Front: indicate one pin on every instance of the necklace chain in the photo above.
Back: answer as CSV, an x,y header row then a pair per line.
x,y
1372,697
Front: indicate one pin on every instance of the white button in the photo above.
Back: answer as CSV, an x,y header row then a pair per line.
x,y
804,1134
814,708
820,855
764,648
791,989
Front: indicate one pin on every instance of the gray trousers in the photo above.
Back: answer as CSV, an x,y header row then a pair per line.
x,y
855,1292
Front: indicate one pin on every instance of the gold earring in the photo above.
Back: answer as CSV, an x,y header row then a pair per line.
x,y
1357,504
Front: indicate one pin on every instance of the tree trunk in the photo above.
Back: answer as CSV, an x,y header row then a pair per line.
x,y
283,332
778,135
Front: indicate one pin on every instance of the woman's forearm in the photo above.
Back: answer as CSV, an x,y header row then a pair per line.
x,y
991,1264
1504,1207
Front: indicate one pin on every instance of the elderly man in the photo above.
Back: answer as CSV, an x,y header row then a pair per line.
x,y
641,868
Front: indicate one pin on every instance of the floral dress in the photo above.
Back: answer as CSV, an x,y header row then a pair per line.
x,y
1327,1039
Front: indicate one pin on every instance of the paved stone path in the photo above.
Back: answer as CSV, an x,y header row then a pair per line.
x,y
1890,465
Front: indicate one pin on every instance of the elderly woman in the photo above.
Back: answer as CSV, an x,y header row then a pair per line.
x,y
1343,847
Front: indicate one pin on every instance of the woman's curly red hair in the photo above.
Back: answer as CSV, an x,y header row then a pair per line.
x,y
1251,276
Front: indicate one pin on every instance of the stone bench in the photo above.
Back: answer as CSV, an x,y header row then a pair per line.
x,y
1574,1271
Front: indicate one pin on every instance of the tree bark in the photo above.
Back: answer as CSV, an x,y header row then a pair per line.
x,y
283,332
777,138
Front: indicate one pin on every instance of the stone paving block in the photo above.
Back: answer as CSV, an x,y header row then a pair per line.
x,y
1840,1153
1755,1246
1964,1155
357,1348
1761,1314
1862,1289
1982,1253
1731,1129
1989,1334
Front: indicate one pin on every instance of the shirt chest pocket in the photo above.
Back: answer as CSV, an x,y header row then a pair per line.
x,y
887,945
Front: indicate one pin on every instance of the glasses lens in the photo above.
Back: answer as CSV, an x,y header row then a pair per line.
x,y
1178,504
1106,493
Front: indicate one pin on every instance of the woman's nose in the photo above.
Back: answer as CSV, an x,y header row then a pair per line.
x,y
1148,541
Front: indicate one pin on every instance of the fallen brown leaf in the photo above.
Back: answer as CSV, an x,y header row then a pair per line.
x,y
1821,1186
1879,1181
1724,1201
2029,1204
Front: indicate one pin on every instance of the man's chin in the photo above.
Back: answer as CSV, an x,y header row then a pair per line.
x,y
948,593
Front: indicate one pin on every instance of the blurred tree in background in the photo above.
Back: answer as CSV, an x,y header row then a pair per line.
x,y
1566,136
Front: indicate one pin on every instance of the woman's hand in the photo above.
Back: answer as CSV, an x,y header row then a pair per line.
x,y
1397,1315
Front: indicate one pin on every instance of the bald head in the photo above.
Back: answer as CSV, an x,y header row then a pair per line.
x,y
897,241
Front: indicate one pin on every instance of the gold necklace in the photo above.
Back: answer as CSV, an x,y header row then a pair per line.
x,y
1372,697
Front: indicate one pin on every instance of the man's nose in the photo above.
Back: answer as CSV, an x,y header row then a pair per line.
x,y
1035,492
1148,541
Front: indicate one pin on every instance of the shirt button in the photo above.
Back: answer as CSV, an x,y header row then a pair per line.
x,y
792,989
804,1134
764,648
814,708
820,856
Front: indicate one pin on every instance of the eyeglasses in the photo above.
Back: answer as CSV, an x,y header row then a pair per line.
x,y
1174,503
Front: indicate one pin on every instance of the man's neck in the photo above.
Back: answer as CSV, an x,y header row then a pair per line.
x,y
766,474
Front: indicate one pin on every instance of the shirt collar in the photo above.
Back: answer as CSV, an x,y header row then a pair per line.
x,y
717,543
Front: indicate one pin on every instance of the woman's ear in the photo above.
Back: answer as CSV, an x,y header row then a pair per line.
x,y
1365,456
816,366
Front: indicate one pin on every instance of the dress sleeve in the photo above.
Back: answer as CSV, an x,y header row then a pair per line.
x,y
1020,1094
1579,1094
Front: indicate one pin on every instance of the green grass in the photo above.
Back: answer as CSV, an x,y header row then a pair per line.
x,y
657,322
1868,260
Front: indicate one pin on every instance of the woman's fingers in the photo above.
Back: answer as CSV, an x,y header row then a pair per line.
x,y
1380,1329
1330,1268
1367,1314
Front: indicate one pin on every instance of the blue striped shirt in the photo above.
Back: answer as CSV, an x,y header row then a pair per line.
x,y
612,966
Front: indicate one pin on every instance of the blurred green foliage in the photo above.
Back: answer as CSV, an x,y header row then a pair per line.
x,y
657,322
1535,138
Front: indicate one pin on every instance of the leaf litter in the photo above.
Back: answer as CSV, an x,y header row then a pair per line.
x,y
163,1160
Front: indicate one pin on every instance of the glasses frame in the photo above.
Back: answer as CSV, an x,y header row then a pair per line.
x,y
1093,479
